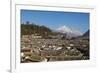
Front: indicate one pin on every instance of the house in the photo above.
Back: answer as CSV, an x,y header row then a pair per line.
x,y
36,36
56,36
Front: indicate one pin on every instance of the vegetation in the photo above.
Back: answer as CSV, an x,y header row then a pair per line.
x,y
28,29
36,58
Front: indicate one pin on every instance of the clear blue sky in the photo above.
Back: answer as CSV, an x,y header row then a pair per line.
x,y
53,19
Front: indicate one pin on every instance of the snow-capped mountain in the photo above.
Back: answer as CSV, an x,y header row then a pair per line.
x,y
68,31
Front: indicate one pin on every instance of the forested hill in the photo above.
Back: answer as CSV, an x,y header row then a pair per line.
x,y
27,29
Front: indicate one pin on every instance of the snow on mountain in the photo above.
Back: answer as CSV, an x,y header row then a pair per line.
x,y
64,29
70,32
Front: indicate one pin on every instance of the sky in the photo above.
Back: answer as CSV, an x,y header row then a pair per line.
x,y
55,19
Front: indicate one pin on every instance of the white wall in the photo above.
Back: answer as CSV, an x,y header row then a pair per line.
x,y
5,36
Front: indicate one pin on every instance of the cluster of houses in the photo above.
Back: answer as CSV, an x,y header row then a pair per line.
x,y
36,49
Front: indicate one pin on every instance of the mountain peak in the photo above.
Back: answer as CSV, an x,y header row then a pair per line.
x,y
64,29
67,30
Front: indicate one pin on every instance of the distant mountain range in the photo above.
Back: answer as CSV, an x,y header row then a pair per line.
x,y
44,31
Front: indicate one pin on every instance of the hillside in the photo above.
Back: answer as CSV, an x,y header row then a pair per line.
x,y
27,29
